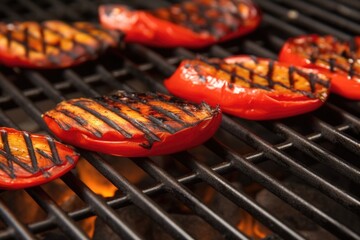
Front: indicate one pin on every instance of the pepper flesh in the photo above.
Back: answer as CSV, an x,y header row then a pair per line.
x,y
53,44
190,24
249,87
133,124
339,60
28,160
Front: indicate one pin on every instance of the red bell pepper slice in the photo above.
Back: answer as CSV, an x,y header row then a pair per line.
x,y
250,87
133,124
339,60
53,44
190,24
28,160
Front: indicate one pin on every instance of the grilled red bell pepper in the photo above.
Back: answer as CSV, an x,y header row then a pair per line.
x,y
193,24
339,60
133,124
28,160
250,87
53,44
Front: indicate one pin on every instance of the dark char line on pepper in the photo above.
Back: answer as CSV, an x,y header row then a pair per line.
x,y
310,77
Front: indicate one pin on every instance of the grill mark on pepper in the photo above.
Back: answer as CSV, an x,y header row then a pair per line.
x,y
9,37
88,49
44,154
106,120
331,62
173,101
218,67
161,110
291,76
313,79
352,45
69,159
269,75
31,152
26,33
26,42
87,33
161,124
63,125
11,158
42,39
82,122
69,53
208,26
153,119
55,159
7,151
149,135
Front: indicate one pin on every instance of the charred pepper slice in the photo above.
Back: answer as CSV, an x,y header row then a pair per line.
x,y
339,60
188,24
133,124
28,160
53,44
250,87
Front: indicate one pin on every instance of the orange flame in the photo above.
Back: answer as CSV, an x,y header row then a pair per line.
x,y
252,228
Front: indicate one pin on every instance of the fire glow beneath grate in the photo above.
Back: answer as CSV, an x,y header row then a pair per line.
x,y
305,166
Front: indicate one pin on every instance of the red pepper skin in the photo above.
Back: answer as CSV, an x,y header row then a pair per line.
x,y
145,28
341,83
193,131
245,102
43,167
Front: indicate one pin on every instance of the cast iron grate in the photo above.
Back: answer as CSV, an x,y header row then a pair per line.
x,y
328,137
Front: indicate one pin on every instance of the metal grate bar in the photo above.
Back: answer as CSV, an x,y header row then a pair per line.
x,y
99,206
41,82
155,58
66,224
171,185
319,153
200,208
20,230
330,18
224,186
239,131
138,198
346,11
103,211
354,121
255,49
351,3
22,101
305,21
336,136
72,77
292,165
275,22
109,79
282,192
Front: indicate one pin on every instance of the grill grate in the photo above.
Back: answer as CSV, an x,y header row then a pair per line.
x,y
332,143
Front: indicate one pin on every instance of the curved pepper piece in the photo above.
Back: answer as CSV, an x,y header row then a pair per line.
x,y
250,87
28,160
339,60
53,44
190,24
133,124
